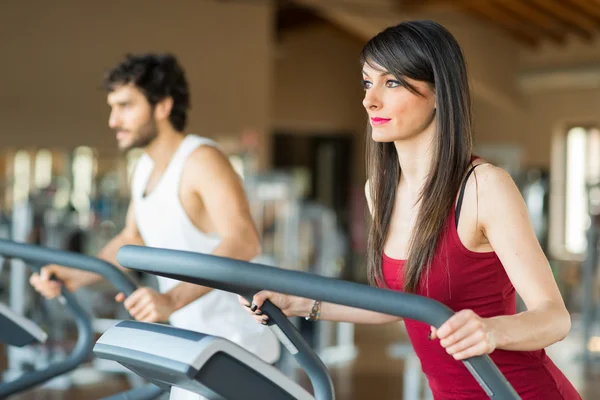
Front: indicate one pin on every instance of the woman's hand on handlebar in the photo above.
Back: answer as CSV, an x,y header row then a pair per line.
x,y
291,306
466,335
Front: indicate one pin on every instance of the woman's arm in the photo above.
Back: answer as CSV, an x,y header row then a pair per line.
x,y
336,312
504,220
293,306
506,224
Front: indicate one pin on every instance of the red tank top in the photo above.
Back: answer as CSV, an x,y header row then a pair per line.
x,y
463,279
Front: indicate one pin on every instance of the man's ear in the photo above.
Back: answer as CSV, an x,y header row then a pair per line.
x,y
162,109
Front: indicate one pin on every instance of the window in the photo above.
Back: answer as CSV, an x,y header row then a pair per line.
x,y
581,168
84,166
43,169
21,176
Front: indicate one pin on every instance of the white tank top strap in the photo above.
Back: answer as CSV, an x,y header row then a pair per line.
x,y
186,148
141,173
172,175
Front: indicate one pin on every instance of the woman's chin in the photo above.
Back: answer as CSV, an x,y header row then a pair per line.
x,y
381,138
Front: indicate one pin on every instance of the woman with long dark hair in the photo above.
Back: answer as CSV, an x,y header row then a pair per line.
x,y
447,225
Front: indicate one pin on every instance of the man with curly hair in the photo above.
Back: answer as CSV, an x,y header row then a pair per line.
x,y
185,196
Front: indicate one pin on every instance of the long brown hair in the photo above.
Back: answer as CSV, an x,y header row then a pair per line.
x,y
424,51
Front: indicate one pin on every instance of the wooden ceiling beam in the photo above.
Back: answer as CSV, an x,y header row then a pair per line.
x,y
505,20
579,23
589,8
532,15
527,21
429,5
527,15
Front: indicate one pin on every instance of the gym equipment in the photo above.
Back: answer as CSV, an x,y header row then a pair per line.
x,y
35,220
200,363
13,324
301,235
245,279
590,309
19,331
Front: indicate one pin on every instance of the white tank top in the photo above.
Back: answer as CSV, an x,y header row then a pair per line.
x,y
163,223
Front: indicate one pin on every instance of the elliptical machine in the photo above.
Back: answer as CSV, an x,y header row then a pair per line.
x,y
221,370
18,331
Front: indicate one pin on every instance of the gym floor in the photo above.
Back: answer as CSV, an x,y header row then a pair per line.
x,y
371,376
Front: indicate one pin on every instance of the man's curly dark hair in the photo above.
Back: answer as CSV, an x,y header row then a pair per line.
x,y
157,76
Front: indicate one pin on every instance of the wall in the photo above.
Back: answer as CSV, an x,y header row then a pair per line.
x,y
317,80
55,54
574,51
317,86
562,85
553,112
241,78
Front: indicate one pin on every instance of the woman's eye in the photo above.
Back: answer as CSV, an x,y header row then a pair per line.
x,y
366,84
392,83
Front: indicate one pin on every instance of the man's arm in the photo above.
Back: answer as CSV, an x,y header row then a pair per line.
x,y
129,235
222,193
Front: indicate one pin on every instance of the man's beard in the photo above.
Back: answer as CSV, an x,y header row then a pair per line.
x,y
145,135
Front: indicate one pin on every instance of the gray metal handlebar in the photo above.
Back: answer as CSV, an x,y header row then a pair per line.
x,y
241,277
302,352
39,255
83,348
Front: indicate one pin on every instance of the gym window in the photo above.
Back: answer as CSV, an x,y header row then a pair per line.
x,y
84,168
576,162
43,168
21,176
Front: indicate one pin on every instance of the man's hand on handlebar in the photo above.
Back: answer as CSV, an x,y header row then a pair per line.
x,y
72,278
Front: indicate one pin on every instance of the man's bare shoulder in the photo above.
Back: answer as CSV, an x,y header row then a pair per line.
x,y
206,157
208,165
